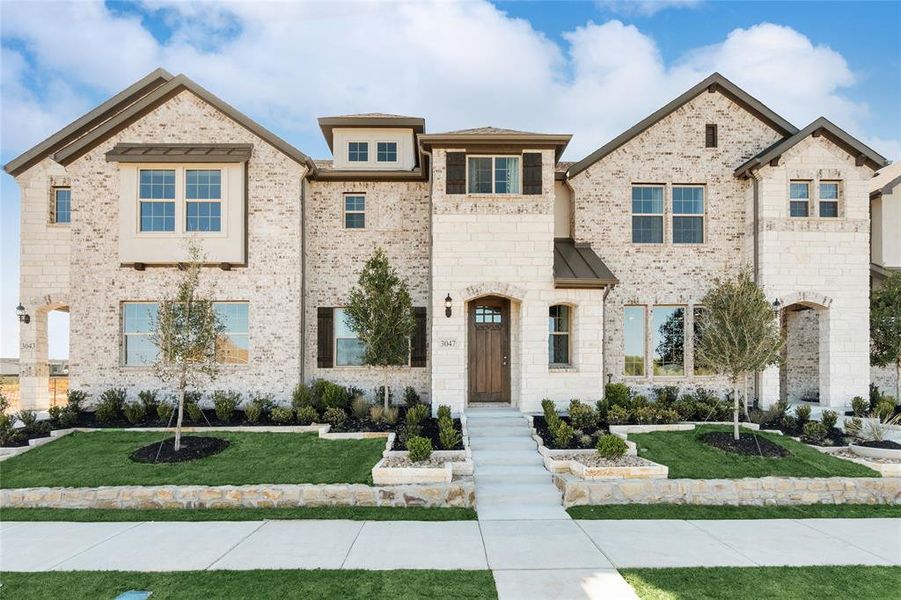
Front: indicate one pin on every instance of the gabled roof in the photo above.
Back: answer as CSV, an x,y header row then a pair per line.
x,y
368,120
577,266
159,96
87,122
495,136
822,126
885,180
714,83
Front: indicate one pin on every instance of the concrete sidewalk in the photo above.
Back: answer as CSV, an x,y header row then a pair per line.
x,y
563,558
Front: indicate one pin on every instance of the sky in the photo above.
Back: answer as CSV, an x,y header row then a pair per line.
x,y
592,69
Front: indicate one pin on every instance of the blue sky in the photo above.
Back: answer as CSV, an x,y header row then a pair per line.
x,y
587,68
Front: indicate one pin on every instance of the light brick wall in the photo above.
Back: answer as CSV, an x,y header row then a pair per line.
x,y
397,220
801,376
270,282
670,152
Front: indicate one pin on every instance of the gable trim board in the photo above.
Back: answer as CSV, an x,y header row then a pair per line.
x,y
887,188
714,83
87,122
823,126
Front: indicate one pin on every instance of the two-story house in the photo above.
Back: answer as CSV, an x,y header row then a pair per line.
x,y
532,278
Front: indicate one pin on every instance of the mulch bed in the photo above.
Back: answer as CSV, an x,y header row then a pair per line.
x,y
886,444
353,424
540,424
192,448
430,431
747,444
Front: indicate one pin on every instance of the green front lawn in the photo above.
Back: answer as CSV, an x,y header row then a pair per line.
x,y
202,585
352,513
101,458
690,458
691,511
772,583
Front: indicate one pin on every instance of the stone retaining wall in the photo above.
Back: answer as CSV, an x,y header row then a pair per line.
x,y
457,493
751,492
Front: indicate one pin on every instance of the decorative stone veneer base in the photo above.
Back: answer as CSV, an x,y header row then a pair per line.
x,y
764,491
455,494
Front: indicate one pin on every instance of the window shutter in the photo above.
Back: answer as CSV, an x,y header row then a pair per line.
x,y
710,136
456,173
325,337
419,339
531,173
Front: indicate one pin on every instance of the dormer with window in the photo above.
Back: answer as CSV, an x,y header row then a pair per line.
x,y
372,142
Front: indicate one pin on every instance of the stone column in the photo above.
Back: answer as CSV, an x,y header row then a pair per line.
x,y
34,370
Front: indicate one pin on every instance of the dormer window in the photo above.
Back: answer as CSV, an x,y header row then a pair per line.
x,y
386,152
358,151
493,174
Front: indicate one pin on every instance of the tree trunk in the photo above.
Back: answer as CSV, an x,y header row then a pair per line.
x,y
385,390
745,403
735,434
181,410
898,381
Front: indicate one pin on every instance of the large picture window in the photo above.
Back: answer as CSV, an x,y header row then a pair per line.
x,y
493,174
688,215
348,347
634,340
647,214
559,329
668,340
156,198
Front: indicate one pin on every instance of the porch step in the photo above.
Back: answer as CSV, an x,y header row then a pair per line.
x,y
513,494
503,443
497,432
497,422
493,413
507,457
528,475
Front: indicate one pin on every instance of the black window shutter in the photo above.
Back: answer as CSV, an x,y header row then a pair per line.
x,y
710,140
531,173
456,173
419,340
325,337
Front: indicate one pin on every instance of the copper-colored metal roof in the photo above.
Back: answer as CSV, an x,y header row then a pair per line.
x,y
577,266
180,153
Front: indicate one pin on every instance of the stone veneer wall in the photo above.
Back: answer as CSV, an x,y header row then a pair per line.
x,y
670,152
764,491
397,220
270,282
801,374
885,378
457,493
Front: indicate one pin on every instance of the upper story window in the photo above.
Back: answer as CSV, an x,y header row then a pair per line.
x,y
559,328
348,347
710,136
799,198
62,204
358,151
386,152
647,214
203,199
156,197
829,199
688,215
634,340
493,174
354,211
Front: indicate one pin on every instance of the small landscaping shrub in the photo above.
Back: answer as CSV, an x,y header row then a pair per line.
x,y
253,411
194,396
790,424
667,416
549,409
76,399
859,406
225,403
8,435
414,418
875,396
775,414
301,396
411,398
802,412
686,406
617,394
584,440
645,415
390,415
448,435
602,407
336,396
360,407
853,427
307,415
581,416
666,396
192,408
110,406
618,415
148,399
420,448
444,412
711,407
612,447
379,394
829,419
55,413
282,415
561,432
639,401
164,410
814,433
376,413
885,408
334,416
27,417
134,412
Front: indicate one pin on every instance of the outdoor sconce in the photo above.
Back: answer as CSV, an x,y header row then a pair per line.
x,y
609,378
23,316
776,305
448,304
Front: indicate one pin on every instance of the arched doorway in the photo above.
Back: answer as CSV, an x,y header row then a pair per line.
x,y
805,353
488,333
43,356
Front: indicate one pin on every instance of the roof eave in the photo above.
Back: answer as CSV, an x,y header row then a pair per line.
x,y
328,124
558,141
580,284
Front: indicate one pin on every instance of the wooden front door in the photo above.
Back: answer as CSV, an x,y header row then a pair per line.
x,y
489,350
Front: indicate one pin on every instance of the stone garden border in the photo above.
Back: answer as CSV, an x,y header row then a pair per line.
x,y
458,464
884,469
867,452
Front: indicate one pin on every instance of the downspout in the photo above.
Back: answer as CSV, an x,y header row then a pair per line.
x,y
431,307
755,187
303,276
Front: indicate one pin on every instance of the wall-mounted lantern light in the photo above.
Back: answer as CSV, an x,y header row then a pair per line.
x,y
448,305
23,316
609,378
776,305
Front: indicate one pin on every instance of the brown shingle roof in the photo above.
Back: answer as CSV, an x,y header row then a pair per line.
x,y
488,130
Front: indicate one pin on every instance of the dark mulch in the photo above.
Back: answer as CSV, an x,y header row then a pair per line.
x,y
887,444
540,424
192,448
748,444
354,424
430,431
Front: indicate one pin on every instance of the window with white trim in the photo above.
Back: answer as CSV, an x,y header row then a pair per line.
x,y
829,198
386,152
493,174
354,211
799,198
156,200
348,347
358,151
668,340
688,214
203,199
647,214
634,323
558,339
62,205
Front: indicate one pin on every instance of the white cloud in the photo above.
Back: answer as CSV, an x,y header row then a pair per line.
x,y
645,8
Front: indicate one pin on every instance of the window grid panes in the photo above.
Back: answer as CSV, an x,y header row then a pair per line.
x,y
688,200
829,199
386,152
668,340
157,216
634,340
158,186
358,151
485,315
354,212
62,199
506,175
698,327
559,324
479,175
493,175
348,348
799,198
233,343
647,214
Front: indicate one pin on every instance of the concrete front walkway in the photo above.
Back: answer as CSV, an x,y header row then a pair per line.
x,y
530,558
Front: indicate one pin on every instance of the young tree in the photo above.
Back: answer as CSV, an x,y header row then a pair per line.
x,y
885,327
185,330
379,310
739,334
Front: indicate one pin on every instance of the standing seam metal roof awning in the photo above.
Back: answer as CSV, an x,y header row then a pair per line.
x,y
180,153
577,266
